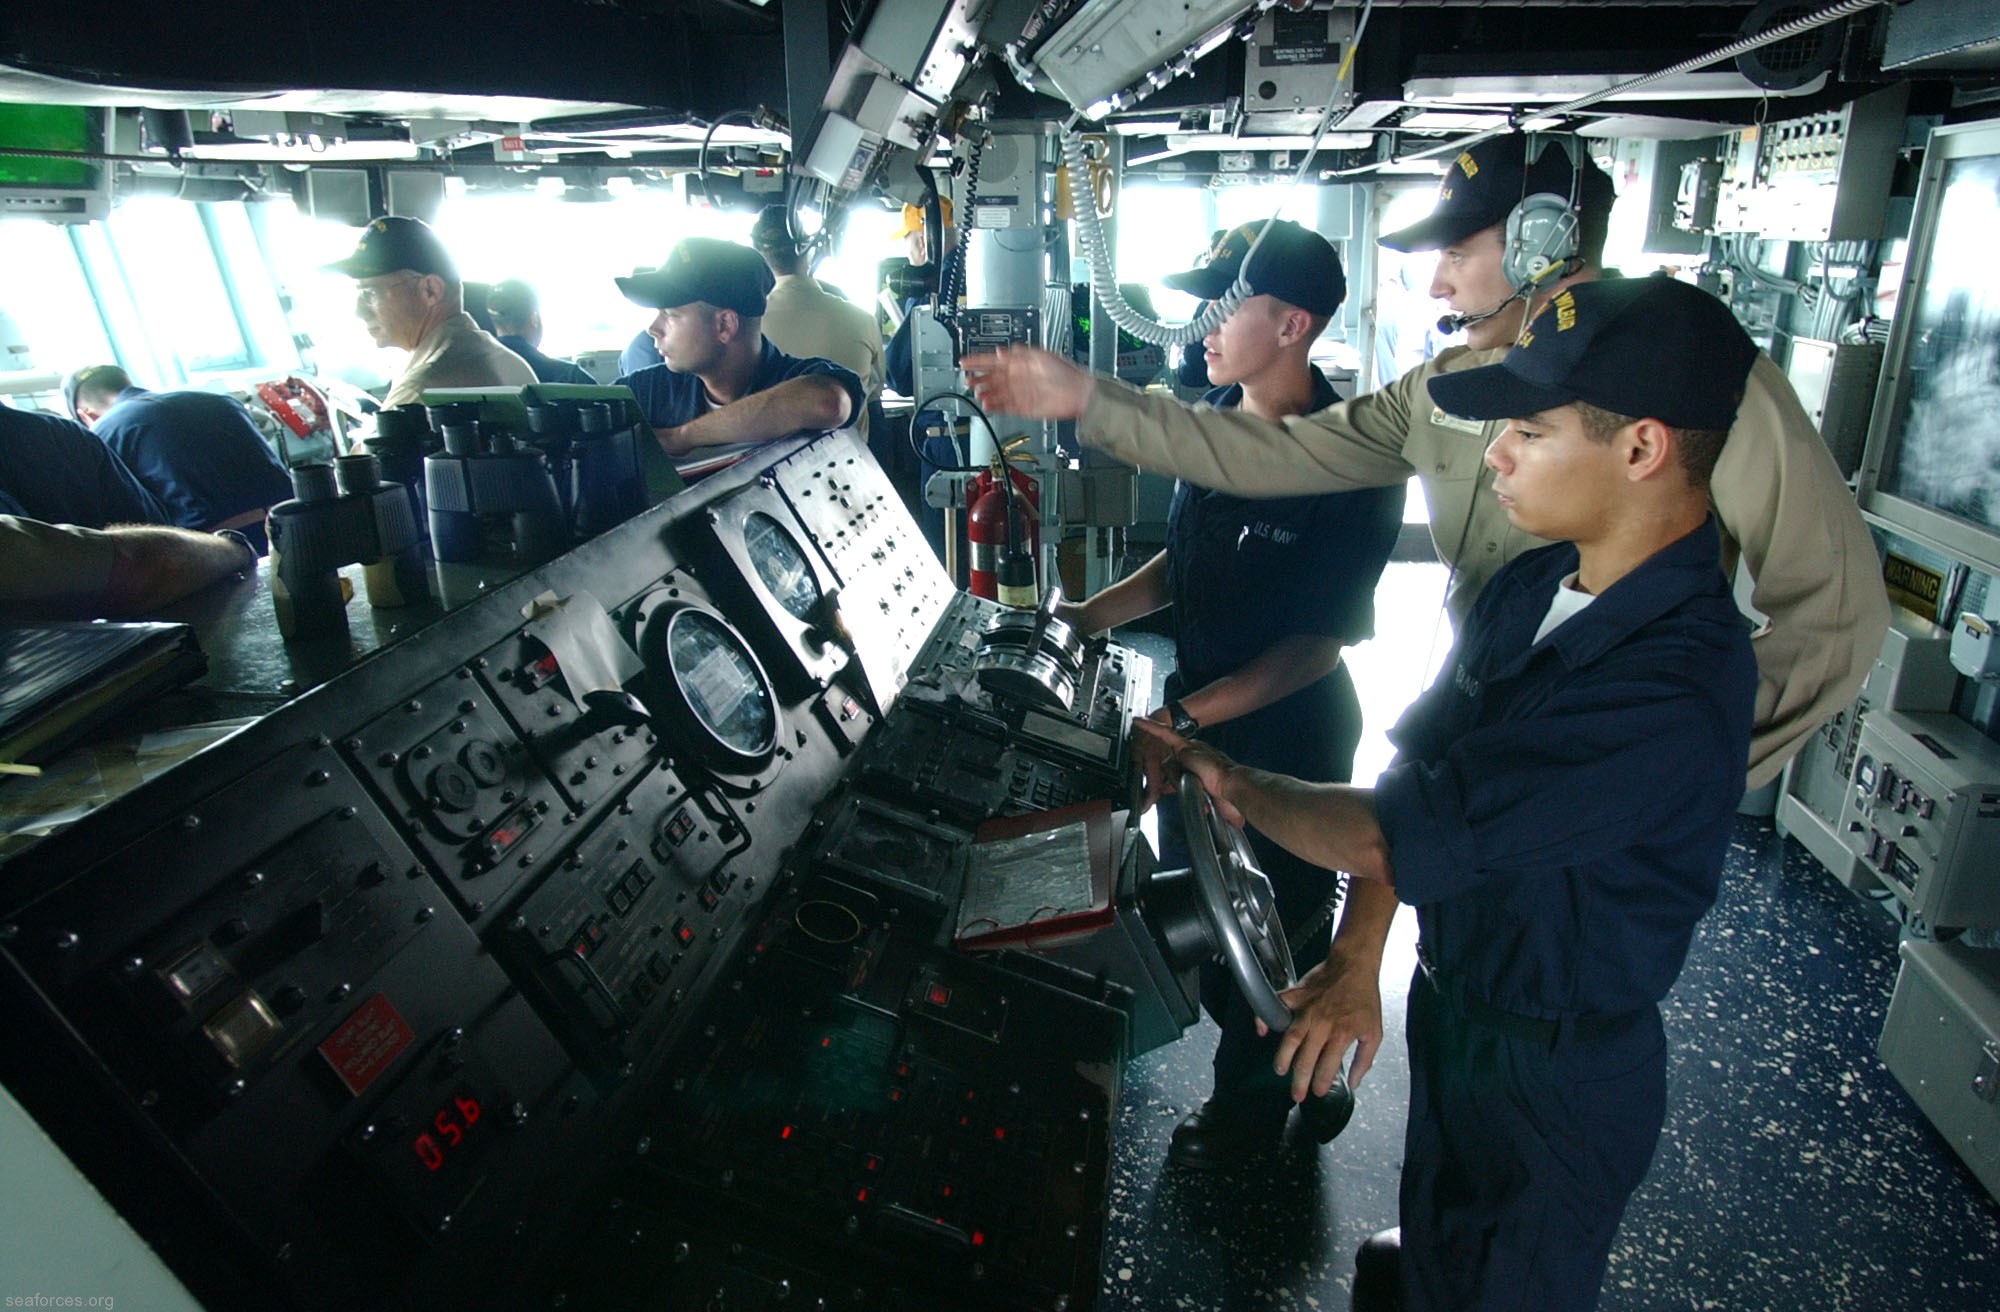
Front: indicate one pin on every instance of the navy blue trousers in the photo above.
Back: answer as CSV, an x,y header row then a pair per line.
x,y
1520,1155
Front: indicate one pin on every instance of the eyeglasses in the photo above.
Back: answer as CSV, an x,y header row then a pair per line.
x,y
370,295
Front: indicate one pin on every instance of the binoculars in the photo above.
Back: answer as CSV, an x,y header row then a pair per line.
x,y
342,514
595,450
493,493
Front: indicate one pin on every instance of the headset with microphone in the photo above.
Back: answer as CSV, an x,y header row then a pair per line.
x,y
1540,239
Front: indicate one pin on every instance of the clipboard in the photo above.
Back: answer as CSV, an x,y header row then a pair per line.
x,y
60,681
1038,879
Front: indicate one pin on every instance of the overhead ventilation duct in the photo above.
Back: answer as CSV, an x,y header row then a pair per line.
x,y
1943,35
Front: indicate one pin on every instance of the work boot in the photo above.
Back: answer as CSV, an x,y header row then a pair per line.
x,y
1326,1115
1377,1272
1224,1133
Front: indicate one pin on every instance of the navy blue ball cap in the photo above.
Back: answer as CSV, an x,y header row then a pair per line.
x,y
720,273
1486,182
1646,348
1294,264
392,244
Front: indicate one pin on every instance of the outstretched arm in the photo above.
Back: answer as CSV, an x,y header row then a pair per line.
x,y
809,403
1281,669
1029,382
1330,825
153,567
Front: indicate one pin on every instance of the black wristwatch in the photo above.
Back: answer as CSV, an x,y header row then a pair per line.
x,y
1179,720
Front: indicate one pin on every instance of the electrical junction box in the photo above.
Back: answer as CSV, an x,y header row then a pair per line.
x,y
1975,652
1923,812
1912,672
1822,177
1941,1040
1836,384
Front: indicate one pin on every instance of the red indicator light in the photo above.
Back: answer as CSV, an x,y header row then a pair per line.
x,y
979,1239
938,996
946,1192
895,1095
826,1042
999,1132
965,1120
873,1163
861,1195
785,1133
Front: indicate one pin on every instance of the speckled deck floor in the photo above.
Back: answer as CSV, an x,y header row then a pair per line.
x,y
1793,1173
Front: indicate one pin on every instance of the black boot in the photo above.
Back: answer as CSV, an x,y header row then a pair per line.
x,y
1224,1133
1326,1115
1377,1272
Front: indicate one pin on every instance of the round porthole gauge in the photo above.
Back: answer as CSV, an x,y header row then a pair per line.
x,y
781,566
727,697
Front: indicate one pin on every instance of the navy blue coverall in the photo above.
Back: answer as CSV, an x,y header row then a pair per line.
x,y
548,369
199,454
1558,815
57,471
671,399
1243,575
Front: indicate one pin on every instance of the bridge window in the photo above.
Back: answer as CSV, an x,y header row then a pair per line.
x,y
43,289
163,254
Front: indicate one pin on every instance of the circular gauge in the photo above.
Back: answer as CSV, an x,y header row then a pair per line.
x,y
786,574
722,685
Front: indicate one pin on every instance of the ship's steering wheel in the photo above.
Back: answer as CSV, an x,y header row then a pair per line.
x,y
1236,900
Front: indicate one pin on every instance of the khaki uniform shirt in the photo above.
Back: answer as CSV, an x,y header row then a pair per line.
x,y
49,568
458,353
1777,494
803,319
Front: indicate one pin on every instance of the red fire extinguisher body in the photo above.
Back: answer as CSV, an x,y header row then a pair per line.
x,y
986,528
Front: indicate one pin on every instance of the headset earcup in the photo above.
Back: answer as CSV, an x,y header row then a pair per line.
x,y
1541,235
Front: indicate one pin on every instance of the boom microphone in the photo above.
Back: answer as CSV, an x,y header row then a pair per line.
x,y
1453,323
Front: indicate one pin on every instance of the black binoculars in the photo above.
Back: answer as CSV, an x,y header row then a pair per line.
x,y
494,493
342,514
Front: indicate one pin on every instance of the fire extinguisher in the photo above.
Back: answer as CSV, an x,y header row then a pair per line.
x,y
1002,564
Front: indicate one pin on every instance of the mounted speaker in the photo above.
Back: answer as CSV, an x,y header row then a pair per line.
x,y
1789,64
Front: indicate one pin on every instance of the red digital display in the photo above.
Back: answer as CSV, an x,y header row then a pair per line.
x,y
450,1126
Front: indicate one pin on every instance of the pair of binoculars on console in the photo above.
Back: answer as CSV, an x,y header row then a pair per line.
x,y
341,514
489,491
